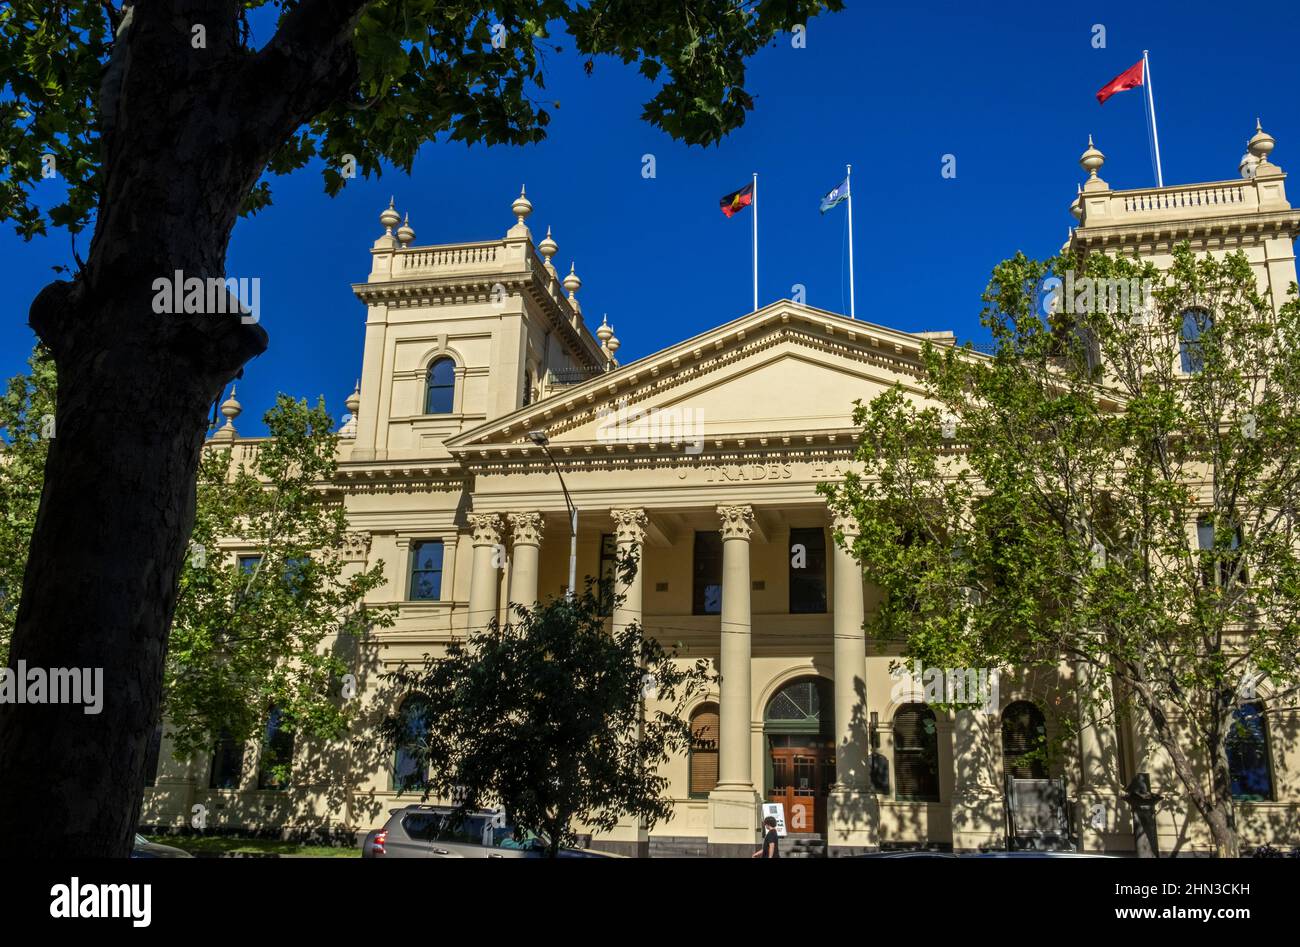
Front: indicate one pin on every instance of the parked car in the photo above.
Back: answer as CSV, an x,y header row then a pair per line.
x,y
143,848
422,831
907,853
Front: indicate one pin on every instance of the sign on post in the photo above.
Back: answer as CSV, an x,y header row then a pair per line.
x,y
777,811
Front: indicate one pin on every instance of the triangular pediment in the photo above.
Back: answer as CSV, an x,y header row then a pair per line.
x,y
786,369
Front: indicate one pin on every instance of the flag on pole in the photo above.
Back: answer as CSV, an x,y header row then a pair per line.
x,y
1130,78
837,195
737,201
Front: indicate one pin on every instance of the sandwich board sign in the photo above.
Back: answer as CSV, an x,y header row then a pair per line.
x,y
777,811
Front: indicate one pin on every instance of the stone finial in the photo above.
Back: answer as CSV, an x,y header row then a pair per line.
x,y
547,248
1261,143
1247,165
604,332
353,402
612,345
1092,159
389,218
572,283
404,233
231,409
522,206
1076,206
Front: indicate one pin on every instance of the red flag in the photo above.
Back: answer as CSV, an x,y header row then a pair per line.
x,y
1130,78
737,201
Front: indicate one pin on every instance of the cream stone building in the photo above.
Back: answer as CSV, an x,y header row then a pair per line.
x,y
703,460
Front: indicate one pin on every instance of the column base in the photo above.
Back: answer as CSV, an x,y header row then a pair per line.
x,y
979,820
852,819
733,820
1114,831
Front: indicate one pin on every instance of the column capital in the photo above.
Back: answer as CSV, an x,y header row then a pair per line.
x,y
486,527
844,523
629,526
737,521
526,528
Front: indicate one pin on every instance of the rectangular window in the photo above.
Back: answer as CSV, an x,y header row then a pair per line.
x,y
708,573
807,571
426,571
1196,323
1228,561
277,752
227,763
608,557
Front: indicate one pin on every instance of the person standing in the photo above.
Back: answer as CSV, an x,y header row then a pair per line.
x,y
771,841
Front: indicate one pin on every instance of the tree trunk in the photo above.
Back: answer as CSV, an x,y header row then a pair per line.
x,y
101,580
187,127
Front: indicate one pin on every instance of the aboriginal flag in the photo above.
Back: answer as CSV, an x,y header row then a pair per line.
x,y
737,201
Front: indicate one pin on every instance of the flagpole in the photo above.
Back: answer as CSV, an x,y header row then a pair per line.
x,y
755,241
848,174
1151,100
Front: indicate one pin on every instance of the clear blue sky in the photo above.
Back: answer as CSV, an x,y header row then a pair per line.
x,y
1009,92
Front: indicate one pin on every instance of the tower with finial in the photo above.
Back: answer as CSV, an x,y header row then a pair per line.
x,y
1248,212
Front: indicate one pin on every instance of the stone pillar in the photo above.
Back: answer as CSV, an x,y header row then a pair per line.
x,y
629,836
629,532
483,589
1103,820
526,541
852,811
733,805
979,819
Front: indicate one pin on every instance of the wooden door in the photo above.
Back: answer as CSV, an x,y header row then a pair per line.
x,y
801,778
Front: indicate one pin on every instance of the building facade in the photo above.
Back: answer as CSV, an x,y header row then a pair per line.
x,y
703,460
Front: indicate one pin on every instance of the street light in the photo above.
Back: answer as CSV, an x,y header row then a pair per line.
x,y
541,440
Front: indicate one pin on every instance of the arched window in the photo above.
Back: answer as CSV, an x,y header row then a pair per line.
x,y
410,762
916,753
1196,324
704,750
1023,731
440,387
1248,757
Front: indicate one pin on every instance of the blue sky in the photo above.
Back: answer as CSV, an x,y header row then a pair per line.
x,y
1008,92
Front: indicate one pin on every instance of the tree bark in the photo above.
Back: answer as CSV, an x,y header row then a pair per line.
x,y
186,132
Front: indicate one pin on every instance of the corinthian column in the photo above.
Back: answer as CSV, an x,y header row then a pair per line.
x,y
483,589
629,531
852,813
526,541
733,805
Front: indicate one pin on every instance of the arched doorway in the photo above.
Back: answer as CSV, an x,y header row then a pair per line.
x,y
799,769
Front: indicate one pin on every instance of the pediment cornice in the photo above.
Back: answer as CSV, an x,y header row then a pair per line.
x,y
886,353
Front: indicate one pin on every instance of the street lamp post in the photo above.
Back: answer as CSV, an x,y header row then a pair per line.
x,y
541,440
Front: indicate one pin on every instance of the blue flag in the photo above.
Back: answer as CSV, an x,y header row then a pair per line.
x,y
838,193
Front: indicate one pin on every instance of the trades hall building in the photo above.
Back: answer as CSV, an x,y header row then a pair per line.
x,y
703,460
